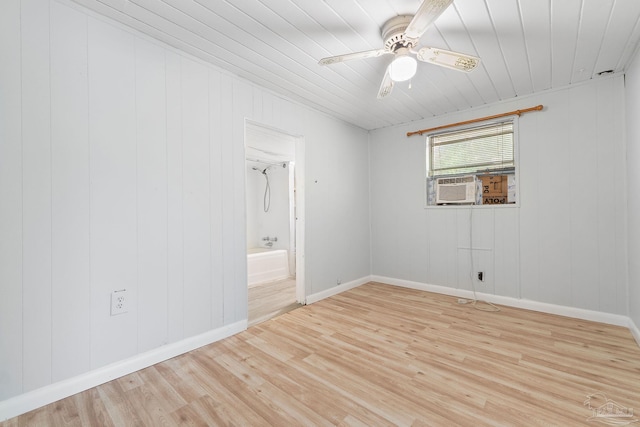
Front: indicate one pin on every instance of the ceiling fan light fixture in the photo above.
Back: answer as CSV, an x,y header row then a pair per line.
x,y
403,68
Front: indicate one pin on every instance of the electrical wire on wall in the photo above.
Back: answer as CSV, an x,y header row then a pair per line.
x,y
487,306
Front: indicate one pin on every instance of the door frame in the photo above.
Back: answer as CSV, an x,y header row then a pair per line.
x,y
299,203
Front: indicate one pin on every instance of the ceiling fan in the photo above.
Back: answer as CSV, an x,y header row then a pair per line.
x,y
401,35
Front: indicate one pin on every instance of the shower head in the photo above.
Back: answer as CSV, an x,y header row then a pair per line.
x,y
262,171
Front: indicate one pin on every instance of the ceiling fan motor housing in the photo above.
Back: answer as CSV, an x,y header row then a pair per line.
x,y
393,33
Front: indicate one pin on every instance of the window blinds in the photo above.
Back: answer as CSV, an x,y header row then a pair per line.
x,y
478,149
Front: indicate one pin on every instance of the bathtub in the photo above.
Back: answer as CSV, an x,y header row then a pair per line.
x,y
267,265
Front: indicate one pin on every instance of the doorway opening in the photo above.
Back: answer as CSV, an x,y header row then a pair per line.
x,y
275,221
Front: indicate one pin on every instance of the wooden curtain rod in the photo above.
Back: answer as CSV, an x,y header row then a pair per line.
x,y
510,113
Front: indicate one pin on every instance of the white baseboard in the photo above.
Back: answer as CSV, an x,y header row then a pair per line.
x,y
337,289
43,396
578,313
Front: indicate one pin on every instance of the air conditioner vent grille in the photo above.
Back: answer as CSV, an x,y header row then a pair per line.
x,y
459,189
453,193
457,179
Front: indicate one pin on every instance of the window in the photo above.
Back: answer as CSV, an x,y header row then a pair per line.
x,y
472,166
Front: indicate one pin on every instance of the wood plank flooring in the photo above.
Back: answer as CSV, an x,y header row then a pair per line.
x,y
377,355
269,300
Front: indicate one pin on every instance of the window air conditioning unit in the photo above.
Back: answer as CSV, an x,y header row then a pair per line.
x,y
460,189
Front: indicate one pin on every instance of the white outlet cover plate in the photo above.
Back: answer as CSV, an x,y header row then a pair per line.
x,y
119,302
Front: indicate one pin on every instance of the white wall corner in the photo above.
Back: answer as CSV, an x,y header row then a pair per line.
x,y
577,313
43,396
337,289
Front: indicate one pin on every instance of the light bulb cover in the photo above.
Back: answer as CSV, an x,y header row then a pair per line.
x,y
402,68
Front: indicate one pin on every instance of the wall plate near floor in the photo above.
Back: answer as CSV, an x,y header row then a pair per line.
x,y
119,302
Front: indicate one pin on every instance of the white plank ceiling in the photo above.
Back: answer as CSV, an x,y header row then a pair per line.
x,y
526,46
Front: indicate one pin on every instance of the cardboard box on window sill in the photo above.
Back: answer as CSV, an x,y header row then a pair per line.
x,y
498,189
494,200
494,185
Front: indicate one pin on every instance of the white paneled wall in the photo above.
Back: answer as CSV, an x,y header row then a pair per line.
x,y
337,188
152,194
11,338
71,230
195,198
122,167
36,192
565,244
633,173
175,209
113,178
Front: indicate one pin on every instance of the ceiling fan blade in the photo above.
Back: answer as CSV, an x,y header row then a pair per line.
x,y
446,58
428,12
350,56
386,86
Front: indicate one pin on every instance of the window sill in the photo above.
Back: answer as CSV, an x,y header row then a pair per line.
x,y
505,206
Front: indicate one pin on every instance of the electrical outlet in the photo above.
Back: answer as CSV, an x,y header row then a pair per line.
x,y
119,302
481,276
338,281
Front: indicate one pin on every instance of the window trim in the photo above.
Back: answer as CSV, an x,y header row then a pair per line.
x,y
516,161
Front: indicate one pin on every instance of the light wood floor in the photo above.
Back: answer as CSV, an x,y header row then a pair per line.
x,y
376,355
269,300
